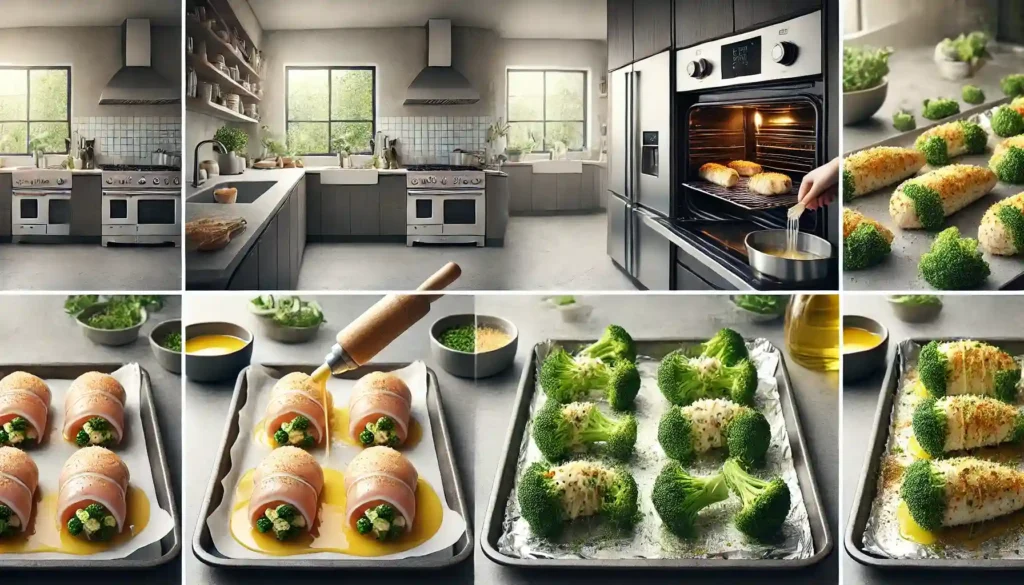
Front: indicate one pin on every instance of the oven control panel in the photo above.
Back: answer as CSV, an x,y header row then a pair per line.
x,y
785,50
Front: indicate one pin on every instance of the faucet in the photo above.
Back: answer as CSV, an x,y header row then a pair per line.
x,y
217,146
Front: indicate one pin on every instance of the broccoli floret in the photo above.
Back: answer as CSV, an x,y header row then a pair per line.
x,y
299,423
381,432
1013,84
363,525
848,186
1006,384
308,442
683,379
924,492
264,524
281,437
19,424
935,150
614,345
1013,220
560,430
75,526
931,369
4,438
96,511
97,424
972,94
286,511
385,423
1009,166
550,496
954,263
678,497
930,427
366,438
904,121
82,438
727,346
1007,122
746,434
619,383
680,378
565,378
386,512
5,513
765,503
738,382
975,137
939,108
927,205
864,247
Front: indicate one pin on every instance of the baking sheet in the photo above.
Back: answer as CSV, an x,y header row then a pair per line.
x,y
899,271
717,537
50,458
881,533
246,454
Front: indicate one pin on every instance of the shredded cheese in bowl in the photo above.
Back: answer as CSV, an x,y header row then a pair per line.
x,y
489,338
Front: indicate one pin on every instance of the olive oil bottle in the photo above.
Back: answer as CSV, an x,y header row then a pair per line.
x,y
812,331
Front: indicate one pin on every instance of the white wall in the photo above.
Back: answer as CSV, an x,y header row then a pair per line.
x,y
930,19
247,18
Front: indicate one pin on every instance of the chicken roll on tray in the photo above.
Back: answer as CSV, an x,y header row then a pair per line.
x,y
24,409
19,478
296,414
93,499
285,493
379,410
94,411
380,490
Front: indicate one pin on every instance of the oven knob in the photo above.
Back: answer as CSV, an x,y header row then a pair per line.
x,y
476,181
444,181
60,181
142,180
177,180
785,53
109,180
698,69
414,181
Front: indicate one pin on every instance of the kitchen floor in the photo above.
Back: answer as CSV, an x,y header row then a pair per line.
x,y
88,268
540,253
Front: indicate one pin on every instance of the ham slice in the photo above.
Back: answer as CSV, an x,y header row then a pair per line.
x,y
19,478
26,381
288,475
93,475
78,410
380,475
96,382
380,394
293,395
28,405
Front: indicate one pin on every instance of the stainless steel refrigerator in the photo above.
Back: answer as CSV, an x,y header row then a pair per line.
x,y
639,168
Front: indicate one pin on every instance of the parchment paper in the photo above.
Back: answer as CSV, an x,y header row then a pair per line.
x,y
50,457
882,531
716,536
246,454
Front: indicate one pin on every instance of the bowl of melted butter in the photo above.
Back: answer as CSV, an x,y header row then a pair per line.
x,y
806,259
216,351
865,346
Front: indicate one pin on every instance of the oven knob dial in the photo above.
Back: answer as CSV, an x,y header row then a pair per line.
x,y
444,181
60,181
785,53
142,180
698,69
177,180
476,181
110,181
414,181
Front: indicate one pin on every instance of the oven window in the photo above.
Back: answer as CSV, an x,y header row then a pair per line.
x,y
157,211
460,211
59,212
424,209
29,208
118,208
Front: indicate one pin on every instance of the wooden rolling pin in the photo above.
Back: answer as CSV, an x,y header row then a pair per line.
x,y
382,323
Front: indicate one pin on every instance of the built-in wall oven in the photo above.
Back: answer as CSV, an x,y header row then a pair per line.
x,y
446,205
41,205
141,205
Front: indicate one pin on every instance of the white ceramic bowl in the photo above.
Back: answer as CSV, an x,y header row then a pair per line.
x,y
859,106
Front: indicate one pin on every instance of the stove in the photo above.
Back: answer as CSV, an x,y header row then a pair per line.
x,y
446,205
41,205
141,205
141,177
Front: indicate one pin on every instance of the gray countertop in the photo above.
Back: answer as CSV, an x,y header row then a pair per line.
x,y
35,329
961,316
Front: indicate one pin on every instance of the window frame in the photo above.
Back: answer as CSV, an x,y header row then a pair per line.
x,y
330,99
28,104
544,109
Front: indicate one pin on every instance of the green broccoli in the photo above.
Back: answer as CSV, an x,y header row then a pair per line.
x,y
727,346
975,137
939,108
264,524
75,526
285,521
295,432
549,495
5,512
765,503
93,523
96,511
300,423
281,437
560,430
363,525
927,205
924,492
566,379
82,438
931,369
382,522
686,431
1007,122
978,361
979,421
1013,84
1012,219
973,94
1008,165
903,121
934,149
683,379
848,183
381,432
4,438
614,345
678,497
619,383
954,263
864,247
762,304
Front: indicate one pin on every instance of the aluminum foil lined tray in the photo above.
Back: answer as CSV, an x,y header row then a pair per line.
x,y
719,545
882,532
900,271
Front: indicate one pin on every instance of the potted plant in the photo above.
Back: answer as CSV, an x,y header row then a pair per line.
x,y
341,148
864,82
517,150
235,141
963,56
497,138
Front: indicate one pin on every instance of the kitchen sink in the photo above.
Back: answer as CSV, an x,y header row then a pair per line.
x,y
248,192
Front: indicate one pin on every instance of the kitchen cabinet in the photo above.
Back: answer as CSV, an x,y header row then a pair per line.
x,y
520,187
86,206
543,192
336,210
497,209
757,13
267,249
620,33
590,187
365,211
284,228
247,275
393,201
699,21
652,27
294,247
567,191
6,197
313,210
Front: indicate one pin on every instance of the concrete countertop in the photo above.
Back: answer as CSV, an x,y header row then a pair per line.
x,y
73,171
960,316
401,171
52,336
528,163
215,268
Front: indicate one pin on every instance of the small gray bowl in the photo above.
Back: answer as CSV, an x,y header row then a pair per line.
x,y
473,365
170,360
862,105
858,365
286,334
915,313
217,368
113,337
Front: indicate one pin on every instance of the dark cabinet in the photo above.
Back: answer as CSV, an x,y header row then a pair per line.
x,y
652,27
284,244
86,206
699,21
312,182
6,194
393,200
267,248
758,13
247,275
620,33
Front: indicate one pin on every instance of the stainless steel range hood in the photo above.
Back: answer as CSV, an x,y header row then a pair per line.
x,y
439,83
137,83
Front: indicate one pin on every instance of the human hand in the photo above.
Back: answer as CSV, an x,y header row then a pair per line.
x,y
820,186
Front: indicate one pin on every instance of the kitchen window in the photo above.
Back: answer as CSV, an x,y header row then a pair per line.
x,y
545,107
330,108
35,110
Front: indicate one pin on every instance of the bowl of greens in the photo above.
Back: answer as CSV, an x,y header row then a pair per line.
x,y
962,57
865,86
116,321
474,346
287,319
760,308
165,341
915,308
570,308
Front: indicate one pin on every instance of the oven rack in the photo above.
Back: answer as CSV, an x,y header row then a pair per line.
x,y
742,196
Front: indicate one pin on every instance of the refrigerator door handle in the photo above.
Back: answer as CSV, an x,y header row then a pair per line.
x,y
634,138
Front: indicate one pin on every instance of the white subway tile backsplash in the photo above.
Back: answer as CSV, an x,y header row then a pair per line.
x,y
130,137
429,139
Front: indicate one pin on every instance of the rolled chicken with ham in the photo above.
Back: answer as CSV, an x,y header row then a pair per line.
x,y
380,492
286,493
24,409
296,414
94,411
93,499
379,410
19,478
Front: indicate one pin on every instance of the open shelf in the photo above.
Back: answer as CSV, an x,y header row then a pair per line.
x,y
217,111
215,45
208,72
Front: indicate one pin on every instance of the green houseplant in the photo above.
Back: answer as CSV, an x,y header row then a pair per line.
x,y
234,140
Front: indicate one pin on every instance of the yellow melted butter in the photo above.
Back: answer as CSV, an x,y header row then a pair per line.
x,y
45,535
332,532
916,450
213,344
968,536
857,339
911,530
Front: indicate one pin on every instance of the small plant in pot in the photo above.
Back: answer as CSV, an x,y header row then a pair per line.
x,y
287,319
963,56
340,147
517,150
864,82
234,140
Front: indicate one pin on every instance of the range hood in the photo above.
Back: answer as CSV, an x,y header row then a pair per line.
x,y
439,83
137,83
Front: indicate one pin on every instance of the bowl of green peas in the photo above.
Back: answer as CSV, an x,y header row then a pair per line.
x,y
474,346
165,341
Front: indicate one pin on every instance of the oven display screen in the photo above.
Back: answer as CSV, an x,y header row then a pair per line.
x,y
741,59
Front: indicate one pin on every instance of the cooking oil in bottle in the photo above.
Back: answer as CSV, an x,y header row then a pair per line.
x,y
812,331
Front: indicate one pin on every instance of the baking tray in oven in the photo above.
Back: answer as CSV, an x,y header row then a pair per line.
x,y
742,196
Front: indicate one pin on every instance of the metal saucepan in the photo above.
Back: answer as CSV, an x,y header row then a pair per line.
x,y
785,269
